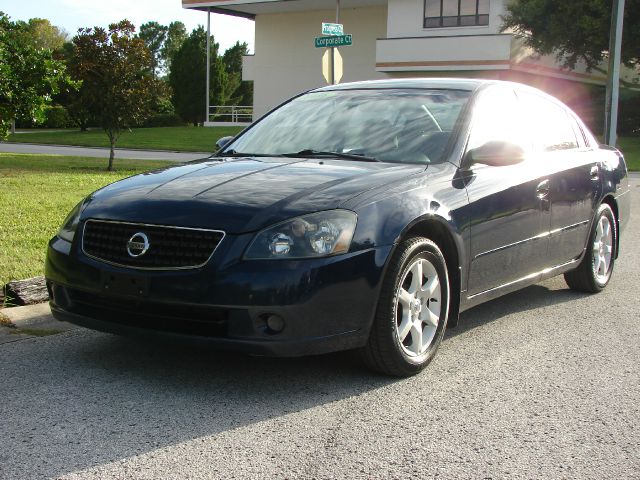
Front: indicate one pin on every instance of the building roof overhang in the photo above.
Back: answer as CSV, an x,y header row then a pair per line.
x,y
251,8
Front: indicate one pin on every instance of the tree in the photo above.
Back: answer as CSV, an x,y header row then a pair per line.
x,y
176,35
242,91
576,30
78,101
115,68
154,36
188,77
28,76
46,36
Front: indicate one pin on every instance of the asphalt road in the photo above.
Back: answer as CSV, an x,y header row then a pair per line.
x,y
99,152
543,383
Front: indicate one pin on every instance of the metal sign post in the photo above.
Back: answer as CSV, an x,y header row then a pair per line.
x,y
333,49
333,37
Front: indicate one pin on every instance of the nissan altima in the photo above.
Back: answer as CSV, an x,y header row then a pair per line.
x,y
360,216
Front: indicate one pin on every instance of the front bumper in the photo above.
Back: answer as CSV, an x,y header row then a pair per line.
x,y
327,304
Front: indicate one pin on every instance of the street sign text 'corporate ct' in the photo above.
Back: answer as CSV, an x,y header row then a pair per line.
x,y
333,41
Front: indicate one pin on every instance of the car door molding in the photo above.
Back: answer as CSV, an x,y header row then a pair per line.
x,y
531,278
536,237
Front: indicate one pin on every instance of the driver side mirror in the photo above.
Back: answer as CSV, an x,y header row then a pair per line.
x,y
222,142
496,154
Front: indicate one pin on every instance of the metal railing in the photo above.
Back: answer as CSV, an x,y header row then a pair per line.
x,y
230,114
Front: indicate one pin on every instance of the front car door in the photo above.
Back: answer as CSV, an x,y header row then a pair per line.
x,y
509,204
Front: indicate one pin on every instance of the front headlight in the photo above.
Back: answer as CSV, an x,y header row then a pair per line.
x,y
70,224
316,235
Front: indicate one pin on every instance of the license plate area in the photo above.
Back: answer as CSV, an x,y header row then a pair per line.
x,y
127,285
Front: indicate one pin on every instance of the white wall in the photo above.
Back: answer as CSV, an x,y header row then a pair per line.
x,y
406,19
436,53
286,61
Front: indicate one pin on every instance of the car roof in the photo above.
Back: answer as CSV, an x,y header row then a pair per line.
x,y
469,84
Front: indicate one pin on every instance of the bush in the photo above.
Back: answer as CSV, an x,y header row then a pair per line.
x,y
25,123
629,113
164,120
57,117
164,105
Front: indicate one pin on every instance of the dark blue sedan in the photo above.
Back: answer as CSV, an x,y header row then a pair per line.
x,y
359,216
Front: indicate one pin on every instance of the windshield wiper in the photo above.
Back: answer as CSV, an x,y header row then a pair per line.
x,y
307,152
351,156
233,153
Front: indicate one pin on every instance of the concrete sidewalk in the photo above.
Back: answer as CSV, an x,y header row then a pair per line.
x,y
39,149
18,323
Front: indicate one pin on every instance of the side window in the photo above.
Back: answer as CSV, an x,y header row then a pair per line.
x,y
550,124
497,117
579,133
585,137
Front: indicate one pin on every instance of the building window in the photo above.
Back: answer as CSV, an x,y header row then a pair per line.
x,y
455,13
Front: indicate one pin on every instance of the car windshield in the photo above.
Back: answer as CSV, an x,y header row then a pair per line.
x,y
391,125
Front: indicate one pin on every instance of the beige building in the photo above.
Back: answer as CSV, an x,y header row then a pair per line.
x,y
391,38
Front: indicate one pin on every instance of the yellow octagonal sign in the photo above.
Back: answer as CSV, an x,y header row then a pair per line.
x,y
326,65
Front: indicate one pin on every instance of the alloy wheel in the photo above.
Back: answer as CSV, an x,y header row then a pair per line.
x,y
602,249
419,301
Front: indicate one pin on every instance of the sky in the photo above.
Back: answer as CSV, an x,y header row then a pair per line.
x,y
73,14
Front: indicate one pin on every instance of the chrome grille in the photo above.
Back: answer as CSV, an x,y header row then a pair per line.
x,y
169,247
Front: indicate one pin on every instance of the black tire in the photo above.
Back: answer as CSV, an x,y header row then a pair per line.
x,y
585,278
384,351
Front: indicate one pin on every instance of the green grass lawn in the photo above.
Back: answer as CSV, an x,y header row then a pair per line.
x,y
630,147
36,193
184,139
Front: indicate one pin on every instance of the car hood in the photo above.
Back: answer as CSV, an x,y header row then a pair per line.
x,y
240,195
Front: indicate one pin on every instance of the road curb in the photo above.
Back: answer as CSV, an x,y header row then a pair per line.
x,y
100,152
106,149
32,320
28,315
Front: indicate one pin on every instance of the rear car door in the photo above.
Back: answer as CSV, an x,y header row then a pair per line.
x,y
574,174
509,206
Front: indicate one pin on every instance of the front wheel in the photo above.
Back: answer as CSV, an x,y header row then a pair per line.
x,y
412,310
594,272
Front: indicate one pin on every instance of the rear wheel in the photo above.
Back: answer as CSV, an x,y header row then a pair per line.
x,y
594,272
412,310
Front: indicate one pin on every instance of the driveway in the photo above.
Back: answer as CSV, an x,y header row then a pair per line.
x,y
99,152
542,383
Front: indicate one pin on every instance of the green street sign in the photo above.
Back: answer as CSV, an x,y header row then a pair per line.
x,y
335,41
333,29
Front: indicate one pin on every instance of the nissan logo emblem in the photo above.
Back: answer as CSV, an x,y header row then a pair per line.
x,y
138,245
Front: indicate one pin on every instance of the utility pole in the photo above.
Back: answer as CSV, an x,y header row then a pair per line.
x,y
206,115
613,80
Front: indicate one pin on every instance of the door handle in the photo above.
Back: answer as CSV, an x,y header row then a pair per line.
x,y
542,190
594,173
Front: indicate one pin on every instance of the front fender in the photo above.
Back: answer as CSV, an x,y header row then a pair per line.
x,y
437,203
